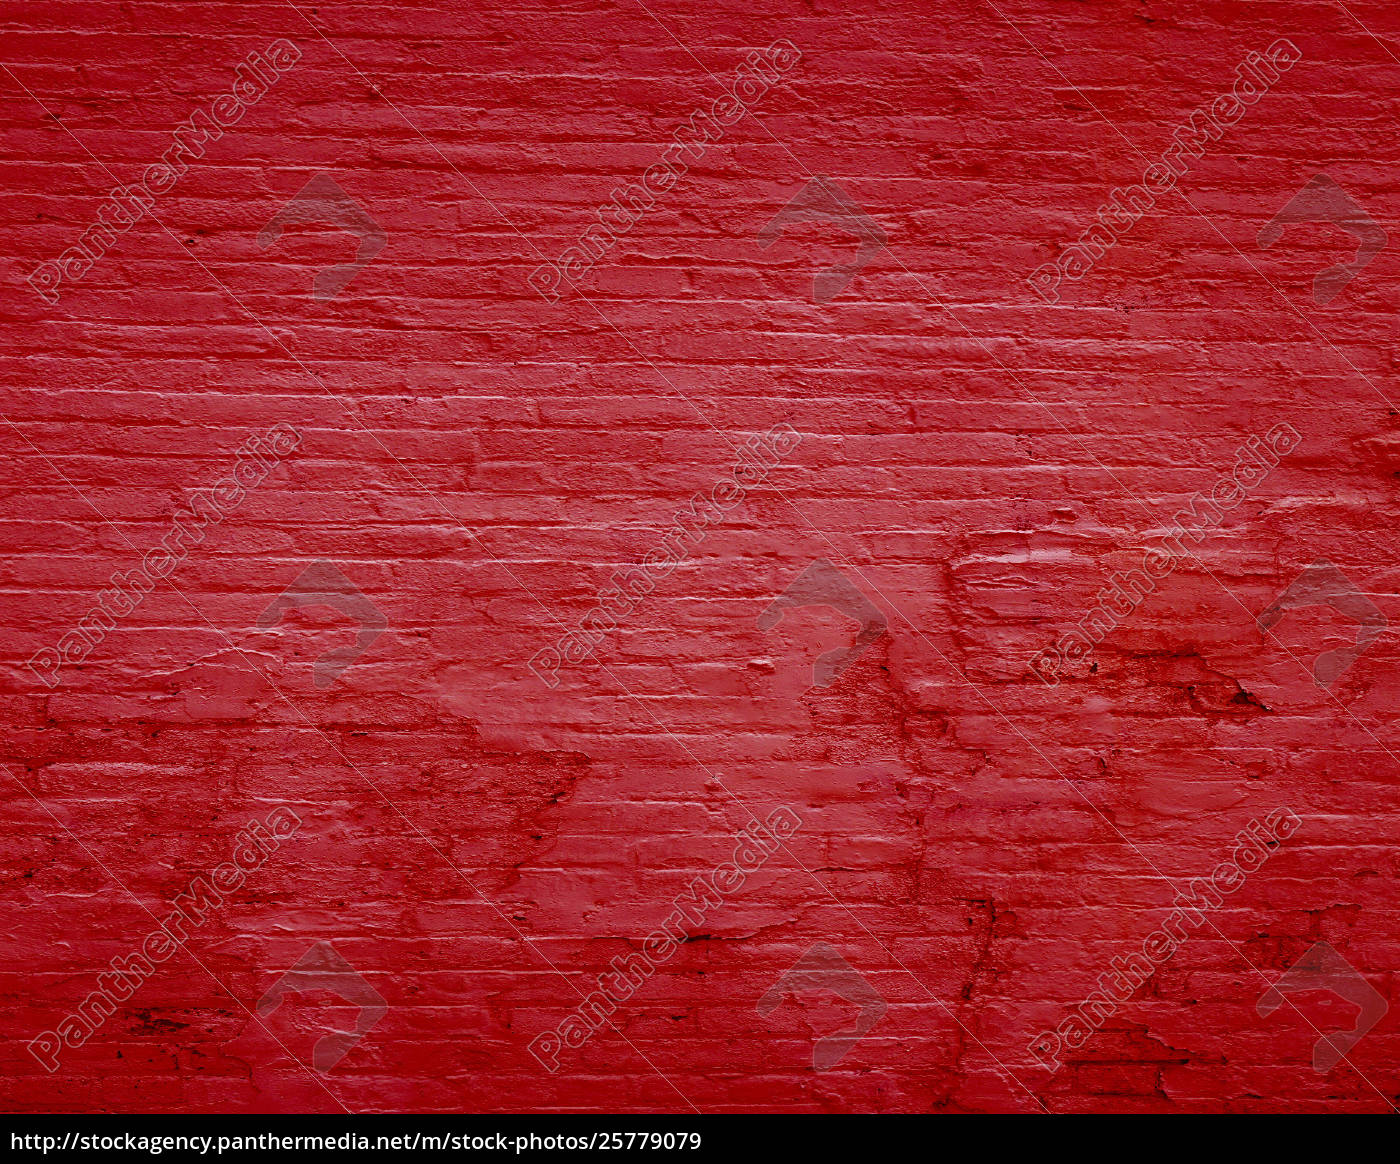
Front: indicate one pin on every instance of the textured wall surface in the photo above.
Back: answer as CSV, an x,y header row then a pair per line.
x,y
483,459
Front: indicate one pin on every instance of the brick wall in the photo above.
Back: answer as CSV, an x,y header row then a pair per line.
x,y
443,508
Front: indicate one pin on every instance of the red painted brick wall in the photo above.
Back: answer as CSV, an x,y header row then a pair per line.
x,y
472,461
